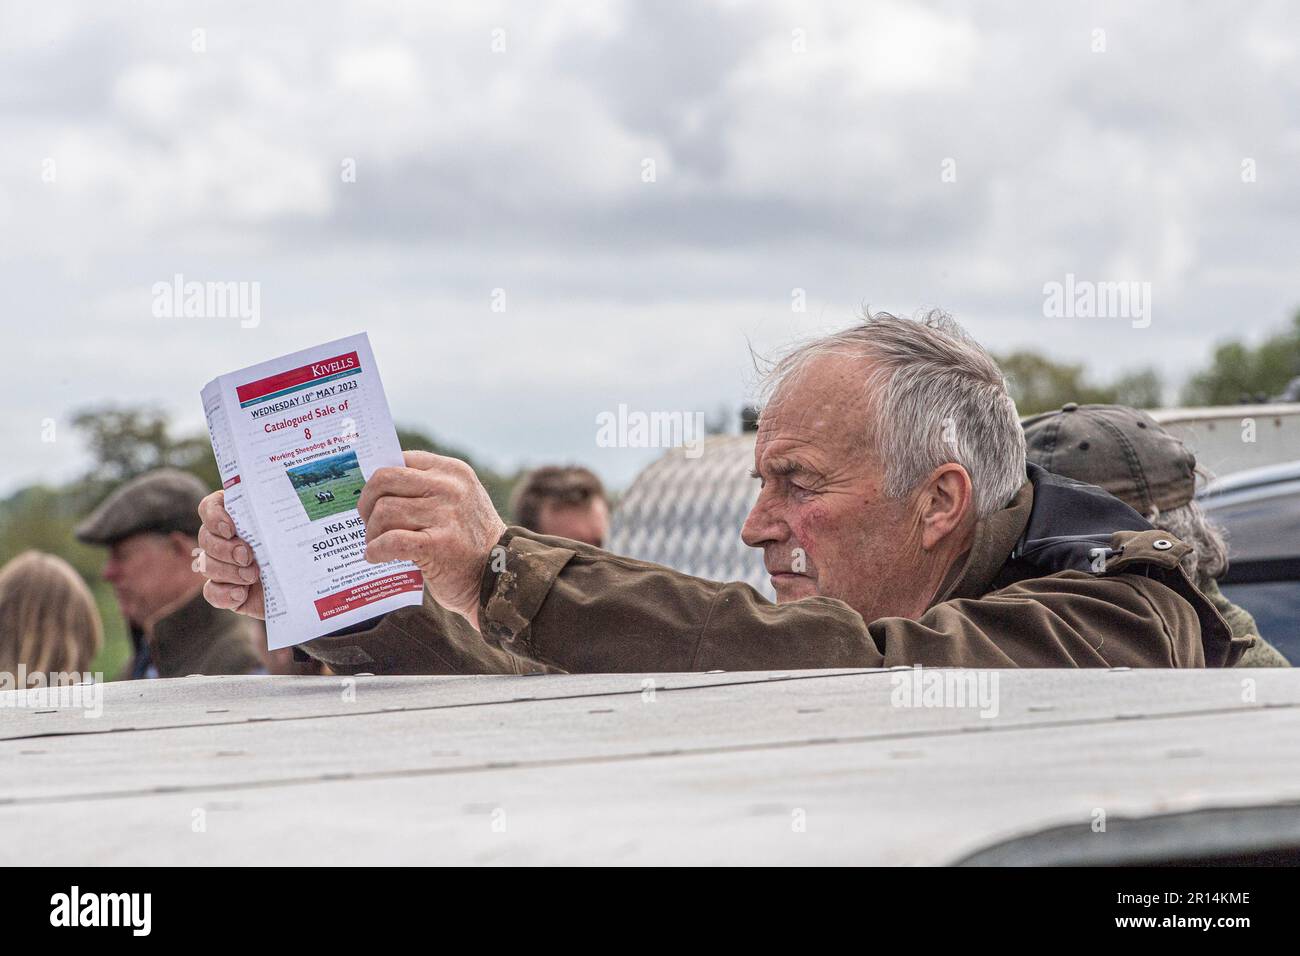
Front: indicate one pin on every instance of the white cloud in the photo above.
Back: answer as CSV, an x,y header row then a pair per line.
x,y
522,169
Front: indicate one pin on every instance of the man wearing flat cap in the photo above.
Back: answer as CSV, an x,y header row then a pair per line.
x,y
150,526
1126,452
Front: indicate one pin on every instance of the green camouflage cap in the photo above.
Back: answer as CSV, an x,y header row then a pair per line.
x,y
1120,449
162,501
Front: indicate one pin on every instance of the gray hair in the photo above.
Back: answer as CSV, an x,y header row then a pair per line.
x,y
1208,559
937,396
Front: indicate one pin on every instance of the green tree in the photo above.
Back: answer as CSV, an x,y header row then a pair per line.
x,y
42,518
126,442
1039,384
1140,389
1240,373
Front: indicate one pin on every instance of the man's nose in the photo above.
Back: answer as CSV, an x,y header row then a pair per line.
x,y
110,572
762,524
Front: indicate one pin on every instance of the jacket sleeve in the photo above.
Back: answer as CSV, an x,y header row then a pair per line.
x,y
571,606
428,639
578,608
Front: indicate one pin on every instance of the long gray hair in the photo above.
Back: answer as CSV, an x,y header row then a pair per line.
x,y
1208,559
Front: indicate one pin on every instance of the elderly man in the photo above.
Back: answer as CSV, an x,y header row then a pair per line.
x,y
897,516
149,526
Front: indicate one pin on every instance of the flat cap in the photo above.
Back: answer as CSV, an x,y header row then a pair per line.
x,y
163,501
1120,449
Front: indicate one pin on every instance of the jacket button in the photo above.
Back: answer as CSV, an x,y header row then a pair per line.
x,y
1162,544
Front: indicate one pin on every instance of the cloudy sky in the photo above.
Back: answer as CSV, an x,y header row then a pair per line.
x,y
899,155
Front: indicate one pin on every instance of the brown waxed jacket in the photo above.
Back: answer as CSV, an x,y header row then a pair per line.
x,y
417,640
1064,576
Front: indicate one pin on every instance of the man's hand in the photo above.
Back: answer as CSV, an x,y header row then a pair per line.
x,y
435,513
233,578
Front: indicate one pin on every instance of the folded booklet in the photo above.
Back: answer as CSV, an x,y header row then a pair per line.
x,y
295,439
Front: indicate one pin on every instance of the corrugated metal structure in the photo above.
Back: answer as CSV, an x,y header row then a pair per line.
x,y
685,513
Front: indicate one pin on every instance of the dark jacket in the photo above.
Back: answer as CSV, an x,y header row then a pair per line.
x,y
1064,576
198,638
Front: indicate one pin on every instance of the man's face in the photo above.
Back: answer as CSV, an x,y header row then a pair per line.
x,y
587,523
822,518
147,573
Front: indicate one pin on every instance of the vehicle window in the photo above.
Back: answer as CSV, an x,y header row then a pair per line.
x,y
1267,528
1276,608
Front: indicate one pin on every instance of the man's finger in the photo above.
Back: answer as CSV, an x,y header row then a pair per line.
x,y
425,460
409,514
399,545
377,485
400,483
225,595
248,601
212,512
224,573
421,459
230,550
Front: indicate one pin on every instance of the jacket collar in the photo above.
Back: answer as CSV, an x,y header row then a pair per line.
x,y
995,539
1052,524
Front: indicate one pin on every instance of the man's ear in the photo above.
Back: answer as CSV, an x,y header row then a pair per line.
x,y
181,543
947,500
